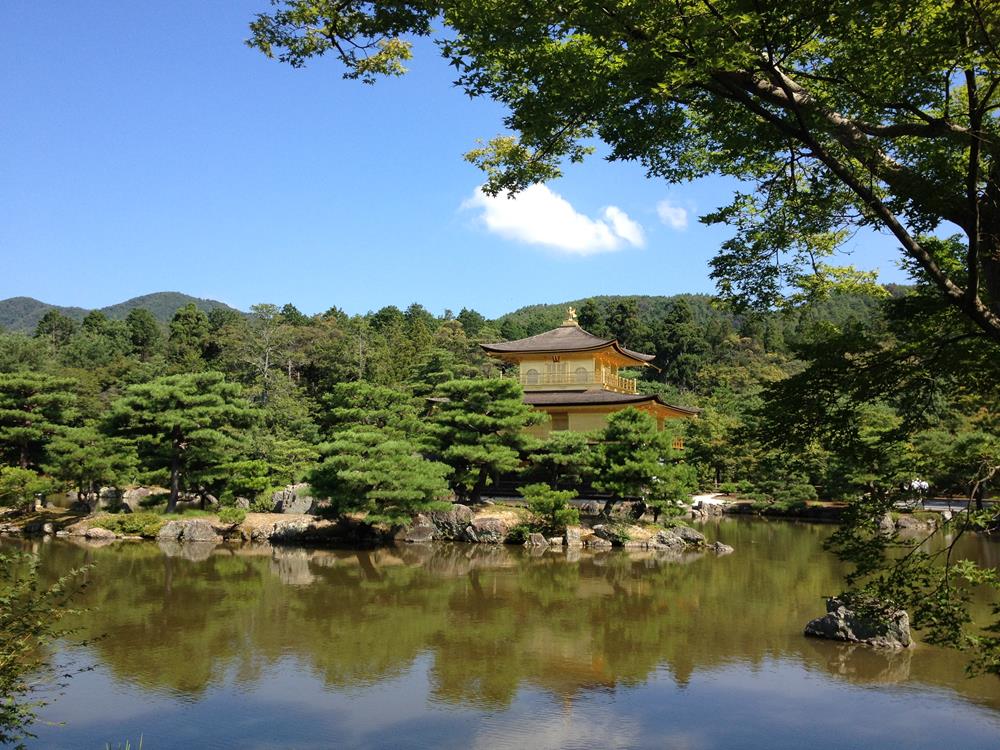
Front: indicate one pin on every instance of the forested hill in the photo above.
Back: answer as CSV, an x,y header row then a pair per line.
x,y
650,311
23,313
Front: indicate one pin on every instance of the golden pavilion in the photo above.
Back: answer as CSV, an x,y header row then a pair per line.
x,y
574,376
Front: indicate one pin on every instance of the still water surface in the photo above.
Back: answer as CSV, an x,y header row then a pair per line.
x,y
468,646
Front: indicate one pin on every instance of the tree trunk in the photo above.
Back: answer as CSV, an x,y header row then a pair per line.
x,y
23,460
477,492
175,481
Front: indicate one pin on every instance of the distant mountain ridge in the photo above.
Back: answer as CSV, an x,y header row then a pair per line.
x,y
23,313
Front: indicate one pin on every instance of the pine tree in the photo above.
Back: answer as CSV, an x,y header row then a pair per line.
x,y
639,461
87,459
378,472
479,431
33,408
183,424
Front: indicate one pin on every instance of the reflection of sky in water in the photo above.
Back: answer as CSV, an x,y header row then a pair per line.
x,y
779,705
473,647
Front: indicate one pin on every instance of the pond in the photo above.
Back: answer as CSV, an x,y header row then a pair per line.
x,y
466,646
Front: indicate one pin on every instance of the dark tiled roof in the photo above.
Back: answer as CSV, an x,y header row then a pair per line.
x,y
565,338
596,397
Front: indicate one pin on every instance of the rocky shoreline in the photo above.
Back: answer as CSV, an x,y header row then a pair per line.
x,y
487,523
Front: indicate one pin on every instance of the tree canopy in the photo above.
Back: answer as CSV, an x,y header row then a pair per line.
x,y
861,113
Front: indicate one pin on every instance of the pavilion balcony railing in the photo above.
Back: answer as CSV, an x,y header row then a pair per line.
x,y
604,379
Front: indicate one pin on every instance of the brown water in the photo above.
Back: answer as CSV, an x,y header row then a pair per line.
x,y
458,646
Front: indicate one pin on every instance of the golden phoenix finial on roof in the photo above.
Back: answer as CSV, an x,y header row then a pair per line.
x,y
570,317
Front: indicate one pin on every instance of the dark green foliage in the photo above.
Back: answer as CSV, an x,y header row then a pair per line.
x,y
33,408
55,327
86,459
565,459
188,339
379,473
351,404
639,462
143,332
183,425
472,321
551,505
479,431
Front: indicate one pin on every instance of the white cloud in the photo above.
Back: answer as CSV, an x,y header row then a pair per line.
x,y
538,216
673,216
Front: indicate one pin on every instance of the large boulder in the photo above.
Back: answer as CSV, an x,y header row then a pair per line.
x,y
909,523
573,537
171,531
295,498
536,540
200,531
488,530
690,537
99,533
667,539
451,524
132,498
418,533
843,624
196,530
290,531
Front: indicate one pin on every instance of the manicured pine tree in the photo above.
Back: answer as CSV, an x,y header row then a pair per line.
x,y
479,431
183,424
359,403
565,459
638,461
87,459
379,472
33,408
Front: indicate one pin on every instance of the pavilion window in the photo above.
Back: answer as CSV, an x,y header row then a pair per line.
x,y
560,420
531,377
581,375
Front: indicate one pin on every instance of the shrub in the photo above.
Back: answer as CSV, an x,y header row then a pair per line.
x,y
551,505
132,524
232,515
519,534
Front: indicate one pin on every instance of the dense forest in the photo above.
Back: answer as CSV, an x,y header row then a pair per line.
x,y
275,396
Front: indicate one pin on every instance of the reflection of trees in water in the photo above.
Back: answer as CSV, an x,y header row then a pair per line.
x,y
493,618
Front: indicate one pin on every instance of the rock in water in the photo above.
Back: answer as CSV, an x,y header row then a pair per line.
x,y
488,530
572,537
451,524
691,537
842,624
419,533
537,540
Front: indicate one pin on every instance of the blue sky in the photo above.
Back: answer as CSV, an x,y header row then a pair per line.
x,y
144,148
